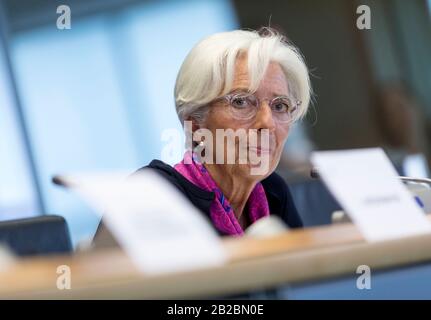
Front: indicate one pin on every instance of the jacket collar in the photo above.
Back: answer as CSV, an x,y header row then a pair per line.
x,y
202,199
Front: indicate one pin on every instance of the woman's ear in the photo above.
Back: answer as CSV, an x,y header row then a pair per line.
x,y
195,124
190,127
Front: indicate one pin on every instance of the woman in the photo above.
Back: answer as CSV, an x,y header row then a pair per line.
x,y
248,80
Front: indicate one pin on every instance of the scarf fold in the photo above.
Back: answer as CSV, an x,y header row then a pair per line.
x,y
221,212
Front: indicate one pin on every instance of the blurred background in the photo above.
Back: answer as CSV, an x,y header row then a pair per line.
x,y
99,95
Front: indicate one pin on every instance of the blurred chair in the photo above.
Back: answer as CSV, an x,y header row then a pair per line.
x,y
314,202
41,235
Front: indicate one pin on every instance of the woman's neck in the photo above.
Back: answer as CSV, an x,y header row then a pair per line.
x,y
234,187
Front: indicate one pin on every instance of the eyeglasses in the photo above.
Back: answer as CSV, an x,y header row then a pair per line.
x,y
244,106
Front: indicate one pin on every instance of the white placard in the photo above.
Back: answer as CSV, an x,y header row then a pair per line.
x,y
158,228
366,185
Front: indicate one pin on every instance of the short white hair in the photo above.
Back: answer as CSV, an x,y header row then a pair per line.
x,y
208,70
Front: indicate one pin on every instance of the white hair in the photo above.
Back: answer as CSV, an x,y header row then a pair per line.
x,y
208,70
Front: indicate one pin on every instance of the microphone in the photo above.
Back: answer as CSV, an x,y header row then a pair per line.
x,y
60,181
314,173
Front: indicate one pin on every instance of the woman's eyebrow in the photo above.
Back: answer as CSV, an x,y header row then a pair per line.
x,y
277,93
283,95
241,89
247,90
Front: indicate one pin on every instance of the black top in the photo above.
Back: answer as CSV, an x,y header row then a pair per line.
x,y
277,193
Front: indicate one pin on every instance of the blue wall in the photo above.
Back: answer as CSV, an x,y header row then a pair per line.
x,y
99,96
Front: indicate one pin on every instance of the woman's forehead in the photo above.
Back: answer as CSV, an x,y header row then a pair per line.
x,y
273,82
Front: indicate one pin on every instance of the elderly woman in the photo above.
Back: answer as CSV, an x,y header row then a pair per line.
x,y
239,80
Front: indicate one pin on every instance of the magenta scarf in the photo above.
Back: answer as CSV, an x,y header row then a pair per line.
x,y
221,212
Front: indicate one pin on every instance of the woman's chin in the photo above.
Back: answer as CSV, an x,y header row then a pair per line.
x,y
256,171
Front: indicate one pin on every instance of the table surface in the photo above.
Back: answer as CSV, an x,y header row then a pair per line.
x,y
299,255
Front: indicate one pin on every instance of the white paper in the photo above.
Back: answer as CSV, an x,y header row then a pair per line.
x,y
366,185
159,229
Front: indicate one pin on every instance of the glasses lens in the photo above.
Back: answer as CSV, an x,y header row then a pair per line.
x,y
283,109
242,106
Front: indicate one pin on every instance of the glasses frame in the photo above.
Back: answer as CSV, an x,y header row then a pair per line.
x,y
228,99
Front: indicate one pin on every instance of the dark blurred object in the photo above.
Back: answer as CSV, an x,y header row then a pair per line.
x,y
295,159
103,238
41,235
401,123
314,173
399,118
314,202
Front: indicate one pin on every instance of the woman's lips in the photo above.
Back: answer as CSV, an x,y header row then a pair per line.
x,y
260,150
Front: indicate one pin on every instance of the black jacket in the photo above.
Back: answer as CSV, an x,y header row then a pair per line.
x,y
277,193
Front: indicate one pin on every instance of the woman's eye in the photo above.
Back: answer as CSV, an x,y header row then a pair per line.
x,y
280,107
240,102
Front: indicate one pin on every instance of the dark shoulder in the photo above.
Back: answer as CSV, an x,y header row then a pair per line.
x,y
280,200
167,172
201,199
186,187
160,167
275,183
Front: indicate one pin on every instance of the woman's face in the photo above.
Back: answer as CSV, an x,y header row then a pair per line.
x,y
273,84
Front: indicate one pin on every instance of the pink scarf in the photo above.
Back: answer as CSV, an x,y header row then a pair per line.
x,y
221,212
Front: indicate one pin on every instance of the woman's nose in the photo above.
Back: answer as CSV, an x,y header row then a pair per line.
x,y
264,117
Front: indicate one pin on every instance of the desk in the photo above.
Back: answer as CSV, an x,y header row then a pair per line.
x,y
294,258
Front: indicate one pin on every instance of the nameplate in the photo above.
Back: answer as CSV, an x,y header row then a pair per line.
x,y
157,227
367,186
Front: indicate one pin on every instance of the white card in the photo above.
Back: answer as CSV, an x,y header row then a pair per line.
x,y
366,185
158,228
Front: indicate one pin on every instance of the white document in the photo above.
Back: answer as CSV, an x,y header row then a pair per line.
x,y
157,227
366,185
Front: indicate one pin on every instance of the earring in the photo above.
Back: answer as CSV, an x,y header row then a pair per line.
x,y
199,146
